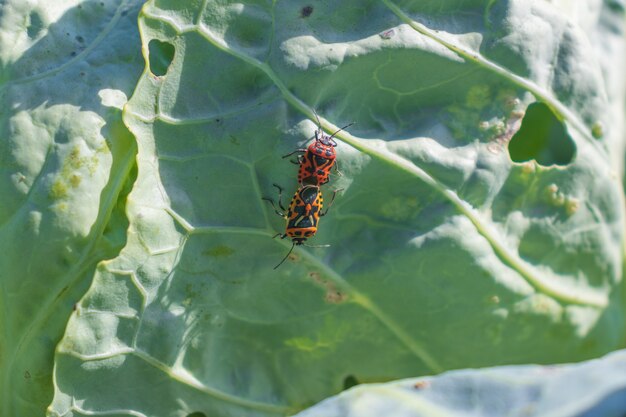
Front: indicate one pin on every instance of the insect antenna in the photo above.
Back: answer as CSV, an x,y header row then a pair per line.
x,y
316,246
348,125
319,125
286,256
333,135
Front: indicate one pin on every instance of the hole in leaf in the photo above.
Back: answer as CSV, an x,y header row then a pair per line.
x,y
306,11
542,137
35,25
349,382
196,414
161,56
617,6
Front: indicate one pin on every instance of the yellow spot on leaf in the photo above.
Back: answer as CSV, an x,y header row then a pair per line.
x,y
58,189
478,97
329,335
75,180
571,206
400,209
219,251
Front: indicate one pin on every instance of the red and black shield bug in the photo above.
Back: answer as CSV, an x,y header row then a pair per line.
x,y
319,158
302,216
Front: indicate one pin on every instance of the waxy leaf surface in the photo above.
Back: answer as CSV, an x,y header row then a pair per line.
x,y
65,159
596,388
480,219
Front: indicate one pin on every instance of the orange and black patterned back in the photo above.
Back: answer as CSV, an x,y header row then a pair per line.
x,y
304,212
316,164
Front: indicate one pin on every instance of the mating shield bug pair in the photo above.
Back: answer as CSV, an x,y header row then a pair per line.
x,y
319,158
305,209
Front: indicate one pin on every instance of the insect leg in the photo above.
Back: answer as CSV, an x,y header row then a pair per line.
x,y
337,169
331,201
273,206
298,161
280,197
296,151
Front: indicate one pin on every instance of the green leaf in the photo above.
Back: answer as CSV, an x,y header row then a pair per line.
x,y
444,253
65,162
592,389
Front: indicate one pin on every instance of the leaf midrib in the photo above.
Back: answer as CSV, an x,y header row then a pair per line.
x,y
540,284
562,112
356,296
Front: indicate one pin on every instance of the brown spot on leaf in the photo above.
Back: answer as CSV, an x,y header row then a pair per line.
x,y
421,384
333,294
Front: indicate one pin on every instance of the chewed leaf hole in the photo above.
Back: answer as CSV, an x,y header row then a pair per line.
x,y
35,25
349,382
306,11
161,56
542,137
197,414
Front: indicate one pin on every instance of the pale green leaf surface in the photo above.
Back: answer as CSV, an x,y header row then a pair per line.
x,y
65,157
596,388
604,26
445,253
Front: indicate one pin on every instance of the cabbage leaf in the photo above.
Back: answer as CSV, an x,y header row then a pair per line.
x,y
479,219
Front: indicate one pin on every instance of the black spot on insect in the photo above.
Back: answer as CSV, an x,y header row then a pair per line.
x,y
79,39
124,13
306,11
73,53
